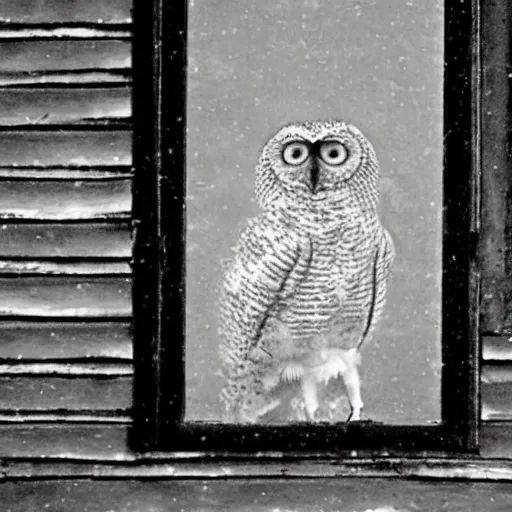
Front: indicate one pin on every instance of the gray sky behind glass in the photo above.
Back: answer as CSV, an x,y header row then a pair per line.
x,y
255,65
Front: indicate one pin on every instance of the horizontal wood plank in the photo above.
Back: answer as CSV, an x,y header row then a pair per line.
x,y
496,392
281,494
63,340
65,200
65,148
66,11
66,297
442,471
63,55
86,442
63,106
85,240
24,32
66,78
497,348
68,369
66,173
46,393
496,373
15,417
24,268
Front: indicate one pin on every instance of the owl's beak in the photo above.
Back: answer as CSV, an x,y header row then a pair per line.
x,y
314,177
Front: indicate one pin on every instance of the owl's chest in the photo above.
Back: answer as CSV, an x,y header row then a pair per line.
x,y
332,267
340,256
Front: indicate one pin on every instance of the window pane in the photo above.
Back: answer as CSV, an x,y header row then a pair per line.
x,y
255,66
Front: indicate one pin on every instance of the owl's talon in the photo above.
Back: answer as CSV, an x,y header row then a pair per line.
x,y
355,415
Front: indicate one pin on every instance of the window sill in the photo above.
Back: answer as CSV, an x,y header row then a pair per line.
x,y
100,451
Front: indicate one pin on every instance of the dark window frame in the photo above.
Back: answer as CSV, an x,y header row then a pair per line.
x,y
160,30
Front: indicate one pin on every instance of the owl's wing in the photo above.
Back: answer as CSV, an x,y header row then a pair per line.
x,y
262,270
384,257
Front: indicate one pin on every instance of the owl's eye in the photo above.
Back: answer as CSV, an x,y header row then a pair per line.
x,y
295,153
333,152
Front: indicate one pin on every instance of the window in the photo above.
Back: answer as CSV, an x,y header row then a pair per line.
x,y
436,227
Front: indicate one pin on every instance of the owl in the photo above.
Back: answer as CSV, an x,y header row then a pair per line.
x,y
307,281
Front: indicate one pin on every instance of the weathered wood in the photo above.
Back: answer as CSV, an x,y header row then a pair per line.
x,y
65,148
63,340
65,200
497,348
60,11
66,78
70,369
65,417
65,173
103,443
25,33
111,240
66,297
47,393
496,392
109,443
86,442
63,106
496,440
301,495
496,373
22,268
57,55
490,471
495,249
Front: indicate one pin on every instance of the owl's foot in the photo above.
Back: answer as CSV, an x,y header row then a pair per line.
x,y
353,386
310,395
355,415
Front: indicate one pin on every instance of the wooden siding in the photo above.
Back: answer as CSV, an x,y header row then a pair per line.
x,y
65,11
21,107
301,494
47,341
86,240
65,208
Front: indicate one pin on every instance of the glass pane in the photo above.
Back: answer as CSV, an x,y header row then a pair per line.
x,y
312,271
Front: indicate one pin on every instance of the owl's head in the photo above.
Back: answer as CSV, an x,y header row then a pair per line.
x,y
317,163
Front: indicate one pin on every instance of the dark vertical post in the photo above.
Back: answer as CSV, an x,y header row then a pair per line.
x,y
495,248
159,59
460,339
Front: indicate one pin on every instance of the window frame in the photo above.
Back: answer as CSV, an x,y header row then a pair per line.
x,y
159,227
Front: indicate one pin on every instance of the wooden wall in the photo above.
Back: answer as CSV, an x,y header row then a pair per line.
x,y
65,305
65,202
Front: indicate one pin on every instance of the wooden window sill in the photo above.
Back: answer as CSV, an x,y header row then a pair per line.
x,y
101,451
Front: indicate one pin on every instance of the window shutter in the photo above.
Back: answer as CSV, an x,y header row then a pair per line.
x,y
65,207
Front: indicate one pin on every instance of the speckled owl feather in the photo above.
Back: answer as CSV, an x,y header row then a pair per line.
x,y
307,282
